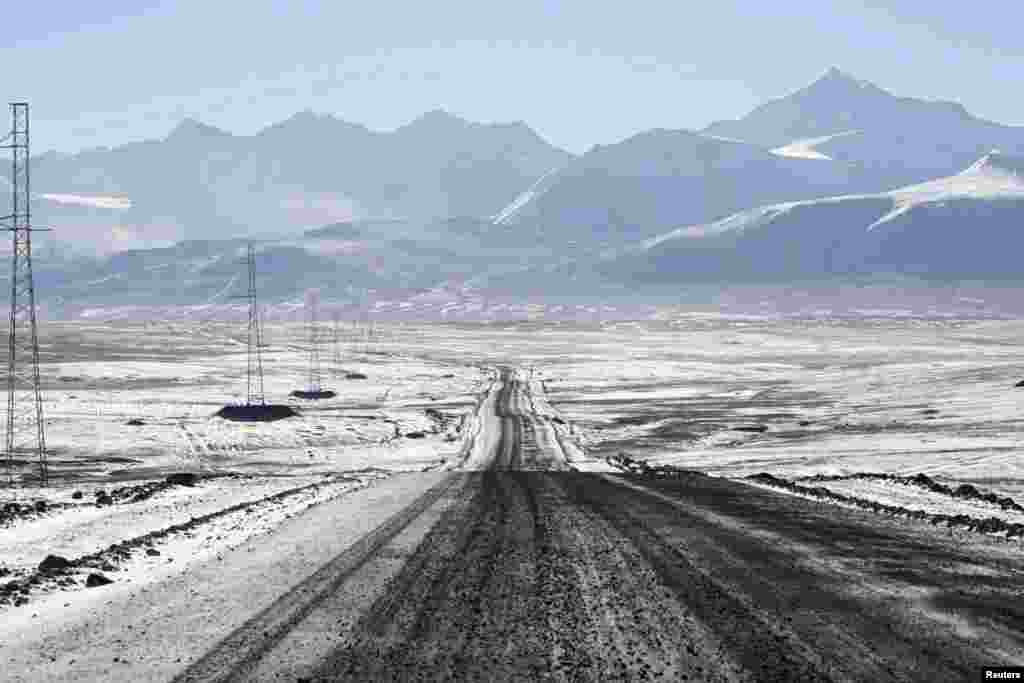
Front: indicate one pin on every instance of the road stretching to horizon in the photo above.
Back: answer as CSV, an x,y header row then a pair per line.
x,y
516,566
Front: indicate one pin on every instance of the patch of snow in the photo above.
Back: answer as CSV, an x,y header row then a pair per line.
x,y
94,201
806,149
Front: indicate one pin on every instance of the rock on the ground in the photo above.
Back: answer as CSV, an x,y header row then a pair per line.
x,y
54,563
182,478
95,579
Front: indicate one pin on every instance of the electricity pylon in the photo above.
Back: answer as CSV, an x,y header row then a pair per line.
x,y
25,426
254,361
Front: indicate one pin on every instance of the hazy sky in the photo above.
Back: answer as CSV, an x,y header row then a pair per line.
x,y
579,72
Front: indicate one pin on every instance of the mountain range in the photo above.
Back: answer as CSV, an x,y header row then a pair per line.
x,y
840,178
202,182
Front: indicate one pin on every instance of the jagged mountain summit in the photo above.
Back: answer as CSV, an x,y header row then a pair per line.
x,y
900,140
834,103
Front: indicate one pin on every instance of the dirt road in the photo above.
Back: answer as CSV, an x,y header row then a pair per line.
x,y
519,568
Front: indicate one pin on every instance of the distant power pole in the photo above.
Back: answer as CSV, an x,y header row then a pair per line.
x,y
25,426
314,343
254,364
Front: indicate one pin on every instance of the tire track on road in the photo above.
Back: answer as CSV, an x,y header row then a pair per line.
x,y
233,657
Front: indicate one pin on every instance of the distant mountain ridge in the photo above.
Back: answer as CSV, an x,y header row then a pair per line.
x,y
839,178
302,172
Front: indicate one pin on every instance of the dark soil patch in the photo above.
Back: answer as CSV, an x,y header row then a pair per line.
x,y
270,412
313,395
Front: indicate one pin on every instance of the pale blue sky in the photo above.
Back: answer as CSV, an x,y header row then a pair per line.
x,y
580,72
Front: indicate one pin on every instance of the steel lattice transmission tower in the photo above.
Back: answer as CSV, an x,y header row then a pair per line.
x,y
25,426
254,365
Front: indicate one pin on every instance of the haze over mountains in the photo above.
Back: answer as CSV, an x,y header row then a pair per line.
x,y
838,178
309,170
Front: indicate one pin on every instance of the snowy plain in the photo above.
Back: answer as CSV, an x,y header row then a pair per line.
x,y
731,396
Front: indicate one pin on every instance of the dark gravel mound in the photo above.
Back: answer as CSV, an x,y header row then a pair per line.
x,y
263,413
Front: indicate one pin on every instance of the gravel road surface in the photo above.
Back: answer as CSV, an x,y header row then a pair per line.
x,y
520,568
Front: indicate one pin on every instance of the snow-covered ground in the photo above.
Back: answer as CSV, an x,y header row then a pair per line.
x,y
828,396
173,377
128,404
736,397
730,396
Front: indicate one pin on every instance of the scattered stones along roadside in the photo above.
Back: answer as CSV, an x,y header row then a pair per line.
x,y
964,491
60,572
991,525
14,511
141,492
